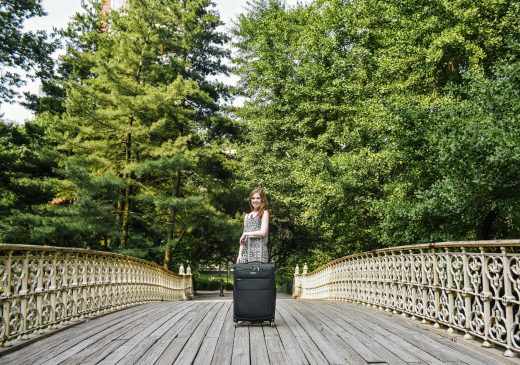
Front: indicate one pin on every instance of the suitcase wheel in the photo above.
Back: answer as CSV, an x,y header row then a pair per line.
x,y
271,323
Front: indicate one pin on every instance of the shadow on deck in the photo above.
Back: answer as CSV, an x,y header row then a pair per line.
x,y
202,332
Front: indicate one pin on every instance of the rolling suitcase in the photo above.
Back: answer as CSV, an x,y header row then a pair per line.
x,y
254,292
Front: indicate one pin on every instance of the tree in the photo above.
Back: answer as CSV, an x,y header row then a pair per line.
x,y
28,51
344,114
26,179
143,116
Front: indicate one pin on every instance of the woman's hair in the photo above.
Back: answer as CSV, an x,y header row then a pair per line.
x,y
263,205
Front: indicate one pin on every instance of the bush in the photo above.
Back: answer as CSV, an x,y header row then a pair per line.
x,y
210,282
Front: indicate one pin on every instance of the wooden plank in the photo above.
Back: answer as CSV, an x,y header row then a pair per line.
x,y
326,348
189,352
137,352
177,344
45,347
383,349
133,328
100,353
162,342
359,334
275,350
94,333
224,347
357,317
308,347
344,331
432,344
136,336
207,349
322,324
241,355
290,345
257,346
103,346
394,340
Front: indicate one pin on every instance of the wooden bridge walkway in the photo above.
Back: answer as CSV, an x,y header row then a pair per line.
x,y
202,332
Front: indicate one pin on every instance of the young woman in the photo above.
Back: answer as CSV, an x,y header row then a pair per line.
x,y
253,242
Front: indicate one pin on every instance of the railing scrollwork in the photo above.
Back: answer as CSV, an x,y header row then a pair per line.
x,y
44,287
472,287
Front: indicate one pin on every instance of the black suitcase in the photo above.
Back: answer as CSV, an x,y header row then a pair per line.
x,y
254,292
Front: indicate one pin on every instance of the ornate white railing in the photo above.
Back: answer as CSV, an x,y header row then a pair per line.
x,y
44,287
473,287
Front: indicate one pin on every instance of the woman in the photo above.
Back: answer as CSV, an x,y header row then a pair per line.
x,y
253,242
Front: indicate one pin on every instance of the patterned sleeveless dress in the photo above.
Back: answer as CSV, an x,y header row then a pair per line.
x,y
255,248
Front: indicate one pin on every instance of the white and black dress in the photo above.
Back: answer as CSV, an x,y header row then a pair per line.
x,y
255,248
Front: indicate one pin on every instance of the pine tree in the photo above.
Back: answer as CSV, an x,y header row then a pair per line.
x,y
29,52
143,113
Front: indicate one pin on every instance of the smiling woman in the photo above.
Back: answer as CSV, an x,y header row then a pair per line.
x,y
253,242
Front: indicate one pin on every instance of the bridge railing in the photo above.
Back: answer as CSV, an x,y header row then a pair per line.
x,y
44,287
473,287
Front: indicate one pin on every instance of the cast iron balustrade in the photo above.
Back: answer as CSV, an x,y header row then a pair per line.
x,y
473,287
44,287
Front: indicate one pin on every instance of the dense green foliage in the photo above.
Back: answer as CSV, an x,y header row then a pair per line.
x,y
28,52
142,147
369,124
382,123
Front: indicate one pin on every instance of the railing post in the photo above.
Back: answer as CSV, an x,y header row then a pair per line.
x,y
75,287
297,283
450,289
189,283
395,283
485,296
304,281
24,292
423,286
466,292
507,301
436,287
7,289
39,293
388,287
183,282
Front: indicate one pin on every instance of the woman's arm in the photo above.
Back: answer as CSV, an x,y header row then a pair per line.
x,y
264,227
240,253
243,237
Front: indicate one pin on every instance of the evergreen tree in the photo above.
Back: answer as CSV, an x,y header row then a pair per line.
x,y
26,179
26,51
143,135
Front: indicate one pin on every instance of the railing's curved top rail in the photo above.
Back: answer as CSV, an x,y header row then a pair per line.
x,y
17,247
42,287
423,246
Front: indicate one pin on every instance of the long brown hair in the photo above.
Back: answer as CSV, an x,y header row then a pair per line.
x,y
263,204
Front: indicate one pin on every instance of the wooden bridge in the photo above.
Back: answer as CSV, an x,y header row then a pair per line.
x,y
202,332
445,303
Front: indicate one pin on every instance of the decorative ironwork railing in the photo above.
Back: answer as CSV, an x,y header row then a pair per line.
x,y
473,287
44,287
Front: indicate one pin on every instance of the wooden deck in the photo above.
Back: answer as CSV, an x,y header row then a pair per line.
x,y
202,332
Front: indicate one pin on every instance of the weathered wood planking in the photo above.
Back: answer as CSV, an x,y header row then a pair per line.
x,y
202,332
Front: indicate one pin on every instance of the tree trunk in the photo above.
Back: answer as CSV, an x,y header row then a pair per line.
x,y
486,229
170,233
127,197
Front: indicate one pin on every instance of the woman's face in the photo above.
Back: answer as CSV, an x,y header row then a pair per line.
x,y
256,201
